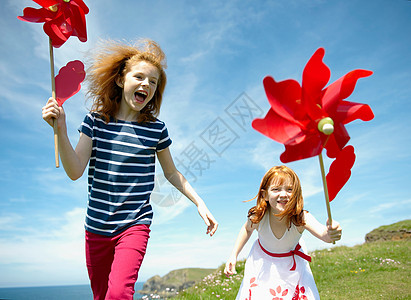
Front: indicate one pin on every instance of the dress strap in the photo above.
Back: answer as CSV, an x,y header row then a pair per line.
x,y
292,253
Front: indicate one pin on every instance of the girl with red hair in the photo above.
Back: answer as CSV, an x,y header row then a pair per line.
x,y
120,139
277,265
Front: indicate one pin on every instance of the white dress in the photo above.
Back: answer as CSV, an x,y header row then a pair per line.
x,y
277,278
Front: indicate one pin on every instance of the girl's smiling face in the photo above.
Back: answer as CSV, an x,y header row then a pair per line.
x,y
139,86
278,195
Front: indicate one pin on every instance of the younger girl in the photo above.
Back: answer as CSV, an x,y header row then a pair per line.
x,y
120,139
276,265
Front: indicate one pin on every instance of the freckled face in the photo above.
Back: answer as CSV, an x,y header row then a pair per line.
x,y
278,195
139,85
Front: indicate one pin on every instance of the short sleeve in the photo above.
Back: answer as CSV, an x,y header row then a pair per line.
x,y
86,126
164,140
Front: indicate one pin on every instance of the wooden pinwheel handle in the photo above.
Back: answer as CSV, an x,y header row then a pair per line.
x,y
327,199
53,94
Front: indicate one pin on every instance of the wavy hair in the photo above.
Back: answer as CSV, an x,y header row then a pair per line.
x,y
293,210
113,61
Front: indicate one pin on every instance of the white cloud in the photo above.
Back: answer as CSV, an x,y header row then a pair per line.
x,y
356,198
386,206
266,153
54,182
167,202
370,147
193,57
7,222
174,250
52,257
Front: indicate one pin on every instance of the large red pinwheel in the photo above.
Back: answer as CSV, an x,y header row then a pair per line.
x,y
311,117
61,18
298,113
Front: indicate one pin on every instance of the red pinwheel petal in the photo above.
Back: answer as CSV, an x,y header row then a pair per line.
x,y
82,6
340,90
284,98
350,111
78,20
276,127
35,15
332,147
68,80
336,141
315,77
340,171
56,34
309,147
46,3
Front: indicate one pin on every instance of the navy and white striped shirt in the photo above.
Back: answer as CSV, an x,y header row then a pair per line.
x,y
121,172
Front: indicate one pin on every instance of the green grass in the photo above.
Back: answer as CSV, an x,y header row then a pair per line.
x,y
402,225
380,270
173,280
373,270
188,274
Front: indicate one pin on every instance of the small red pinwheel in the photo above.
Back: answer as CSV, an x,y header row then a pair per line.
x,y
302,117
62,19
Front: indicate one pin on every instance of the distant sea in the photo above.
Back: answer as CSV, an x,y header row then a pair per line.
x,y
67,292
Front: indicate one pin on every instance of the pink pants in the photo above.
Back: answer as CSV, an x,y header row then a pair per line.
x,y
113,262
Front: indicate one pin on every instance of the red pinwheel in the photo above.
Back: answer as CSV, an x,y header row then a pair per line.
x,y
298,113
62,19
311,117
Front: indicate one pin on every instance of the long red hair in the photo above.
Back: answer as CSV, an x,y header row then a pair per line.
x,y
294,208
113,61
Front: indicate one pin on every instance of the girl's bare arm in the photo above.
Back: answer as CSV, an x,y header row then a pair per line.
x,y
74,160
327,233
242,238
180,182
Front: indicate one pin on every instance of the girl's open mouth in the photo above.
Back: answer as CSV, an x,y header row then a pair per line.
x,y
140,96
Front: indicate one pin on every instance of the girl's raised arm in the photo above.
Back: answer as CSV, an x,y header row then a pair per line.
x,y
74,161
327,233
180,182
243,237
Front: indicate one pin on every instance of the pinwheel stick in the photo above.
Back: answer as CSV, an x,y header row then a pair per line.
x,y
326,126
327,199
53,94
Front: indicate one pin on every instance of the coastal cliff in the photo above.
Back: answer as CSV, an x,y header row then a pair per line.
x,y
174,281
394,232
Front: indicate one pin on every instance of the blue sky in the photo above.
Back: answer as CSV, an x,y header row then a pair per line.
x,y
218,53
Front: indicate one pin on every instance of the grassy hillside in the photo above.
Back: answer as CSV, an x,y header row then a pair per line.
x,y
397,231
175,280
399,226
378,270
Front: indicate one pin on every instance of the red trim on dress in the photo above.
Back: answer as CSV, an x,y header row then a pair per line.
x,y
292,253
